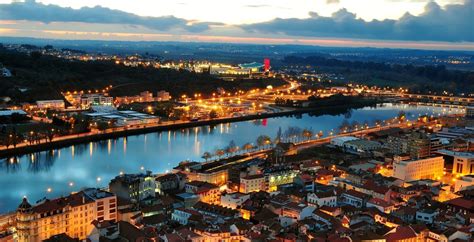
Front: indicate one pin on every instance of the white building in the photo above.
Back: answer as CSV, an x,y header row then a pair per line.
x,y
339,141
234,200
411,170
464,183
163,96
322,199
182,215
470,111
252,183
426,216
380,204
50,104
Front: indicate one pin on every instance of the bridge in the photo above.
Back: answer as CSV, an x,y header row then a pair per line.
x,y
449,100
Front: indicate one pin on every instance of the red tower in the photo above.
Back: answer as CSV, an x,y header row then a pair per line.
x,y
266,64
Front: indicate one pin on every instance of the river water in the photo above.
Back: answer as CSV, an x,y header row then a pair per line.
x,y
59,172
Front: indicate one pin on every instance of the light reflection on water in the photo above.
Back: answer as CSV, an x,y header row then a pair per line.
x,y
94,164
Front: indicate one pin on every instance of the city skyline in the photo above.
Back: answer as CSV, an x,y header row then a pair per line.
x,y
392,24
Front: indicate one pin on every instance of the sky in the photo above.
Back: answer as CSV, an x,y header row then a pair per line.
x,y
425,24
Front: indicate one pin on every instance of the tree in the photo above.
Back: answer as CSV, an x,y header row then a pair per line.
x,y
344,126
207,155
50,135
320,134
401,115
247,147
232,147
263,140
355,125
307,134
293,133
213,114
219,153
278,136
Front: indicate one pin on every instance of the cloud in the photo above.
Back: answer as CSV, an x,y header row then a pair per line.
x,y
33,11
452,24
332,1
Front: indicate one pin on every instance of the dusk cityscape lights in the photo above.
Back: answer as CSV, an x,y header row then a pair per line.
x,y
249,120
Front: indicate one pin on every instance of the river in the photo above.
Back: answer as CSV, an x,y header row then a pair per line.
x,y
62,171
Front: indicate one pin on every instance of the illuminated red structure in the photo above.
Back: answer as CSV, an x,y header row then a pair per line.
x,y
266,64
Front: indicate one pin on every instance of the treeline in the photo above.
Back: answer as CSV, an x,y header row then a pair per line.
x,y
418,78
37,76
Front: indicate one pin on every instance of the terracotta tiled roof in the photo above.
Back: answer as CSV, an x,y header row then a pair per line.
x,y
462,202
72,200
401,233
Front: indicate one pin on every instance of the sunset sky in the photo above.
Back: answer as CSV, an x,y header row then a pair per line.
x,y
440,24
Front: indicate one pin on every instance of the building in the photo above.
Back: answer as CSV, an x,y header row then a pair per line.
x,y
71,215
320,199
86,101
464,183
183,216
169,182
207,192
463,162
146,96
277,176
234,200
421,145
162,96
397,144
354,198
253,183
50,104
426,216
135,187
297,211
380,204
470,111
411,170
361,145
339,141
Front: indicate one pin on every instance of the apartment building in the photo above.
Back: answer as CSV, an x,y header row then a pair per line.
x,y
71,215
411,170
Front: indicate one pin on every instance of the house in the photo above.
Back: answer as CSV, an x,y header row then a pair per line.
x,y
297,211
184,216
320,199
405,213
354,198
136,187
460,205
404,234
252,183
234,200
207,192
304,181
323,217
184,234
426,215
380,204
170,182
216,213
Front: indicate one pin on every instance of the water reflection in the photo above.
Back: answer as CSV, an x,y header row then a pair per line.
x,y
94,164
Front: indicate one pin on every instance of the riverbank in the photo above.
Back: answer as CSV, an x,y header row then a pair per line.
x,y
65,141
